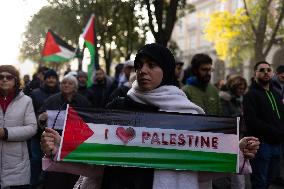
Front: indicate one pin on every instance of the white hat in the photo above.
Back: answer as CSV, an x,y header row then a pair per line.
x,y
128,63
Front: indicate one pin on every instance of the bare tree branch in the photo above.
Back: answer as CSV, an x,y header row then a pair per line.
x,y
151,25
275,30
159,7
249,17
171,17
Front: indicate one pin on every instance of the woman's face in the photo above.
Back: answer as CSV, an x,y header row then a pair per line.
x,y
67,87
149,74
240,90
7,81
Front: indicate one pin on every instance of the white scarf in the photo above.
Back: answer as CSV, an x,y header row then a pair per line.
x,y
167,98
170,99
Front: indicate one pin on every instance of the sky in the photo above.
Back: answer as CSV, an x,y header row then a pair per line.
x,y
14,17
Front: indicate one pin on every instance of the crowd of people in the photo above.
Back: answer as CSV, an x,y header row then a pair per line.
x,y
153,82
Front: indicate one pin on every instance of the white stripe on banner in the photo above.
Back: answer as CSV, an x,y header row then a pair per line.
x,y
163,138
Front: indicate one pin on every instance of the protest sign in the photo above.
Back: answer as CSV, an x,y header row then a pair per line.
x,y
156,140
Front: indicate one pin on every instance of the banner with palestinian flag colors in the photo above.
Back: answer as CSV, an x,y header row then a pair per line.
x,y
156,140
56,50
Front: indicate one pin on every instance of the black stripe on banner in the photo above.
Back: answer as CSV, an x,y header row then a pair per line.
x,y
164,120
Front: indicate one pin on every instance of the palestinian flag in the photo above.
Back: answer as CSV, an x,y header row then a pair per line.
x,y
156,140
56,50
89,37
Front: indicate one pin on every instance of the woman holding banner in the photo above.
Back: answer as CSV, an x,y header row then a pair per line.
x,y
57,103
154,90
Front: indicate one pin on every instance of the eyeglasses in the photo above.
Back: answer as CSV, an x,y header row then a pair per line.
x,y
263,70
8,77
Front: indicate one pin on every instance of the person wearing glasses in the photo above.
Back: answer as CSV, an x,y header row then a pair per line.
x,y
17,125
198,88
264,119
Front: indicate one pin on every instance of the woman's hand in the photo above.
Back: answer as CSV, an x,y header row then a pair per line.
x,y
42,120
249,146
50,141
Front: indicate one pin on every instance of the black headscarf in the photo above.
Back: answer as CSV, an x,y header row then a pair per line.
x,y
163,57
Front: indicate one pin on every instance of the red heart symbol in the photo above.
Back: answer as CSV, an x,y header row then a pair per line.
x,y
125,135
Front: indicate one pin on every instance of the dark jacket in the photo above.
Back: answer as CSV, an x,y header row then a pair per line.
x,y
277,86
57,101
130,177
38,96
264,114
84,91
100,92
231,105
119,92
34,84
41,94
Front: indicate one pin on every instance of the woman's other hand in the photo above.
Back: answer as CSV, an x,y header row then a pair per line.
x,y
249,146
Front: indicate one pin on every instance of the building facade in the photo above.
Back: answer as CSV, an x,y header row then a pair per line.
x,y
188,33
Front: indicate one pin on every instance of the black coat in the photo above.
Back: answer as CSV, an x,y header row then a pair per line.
x,y
57,101
262,118
130,177
100,92
39,95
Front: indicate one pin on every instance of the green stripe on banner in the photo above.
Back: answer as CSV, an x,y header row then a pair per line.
x,y
105,154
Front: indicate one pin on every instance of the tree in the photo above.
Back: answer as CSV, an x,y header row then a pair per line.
x,y
118,32
63,21
250,32
162,15
269,16
224,29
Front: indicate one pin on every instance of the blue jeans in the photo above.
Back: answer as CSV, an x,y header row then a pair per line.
x,y
264,165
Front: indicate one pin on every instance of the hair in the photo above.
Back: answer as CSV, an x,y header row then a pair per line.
x,y
100,68
42,69
280,69
260,62
199,59
234,82
50,72
82,74
13,71
72,79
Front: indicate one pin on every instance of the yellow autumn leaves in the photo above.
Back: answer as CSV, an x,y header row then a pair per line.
x,y
222,29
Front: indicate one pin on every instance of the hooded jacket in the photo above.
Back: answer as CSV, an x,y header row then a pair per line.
x,y
264,114
20,122
278,87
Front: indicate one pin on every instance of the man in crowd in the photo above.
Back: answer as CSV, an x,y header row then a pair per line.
x,y
199,89
179,72
101,89
278,85
278,81
36,81
82,78
50,86
264,119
